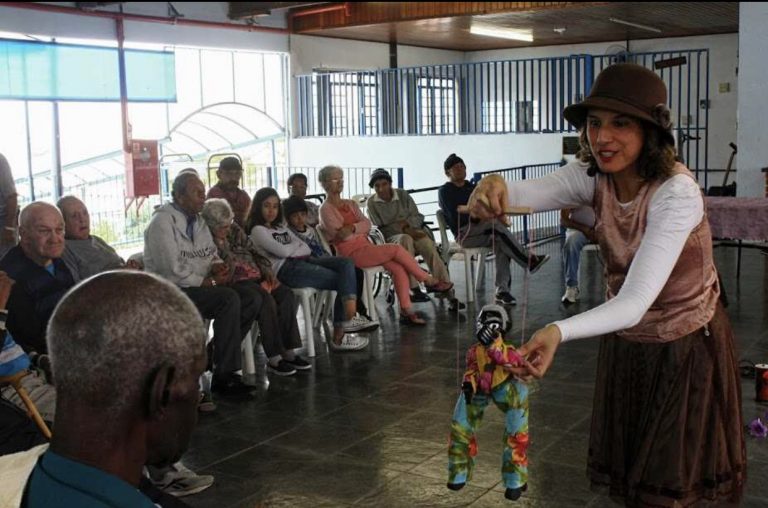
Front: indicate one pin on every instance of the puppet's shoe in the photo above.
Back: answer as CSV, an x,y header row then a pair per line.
x,y
514,494
456,486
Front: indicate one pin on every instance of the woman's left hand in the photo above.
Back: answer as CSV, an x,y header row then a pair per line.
x,y
538,352
489,199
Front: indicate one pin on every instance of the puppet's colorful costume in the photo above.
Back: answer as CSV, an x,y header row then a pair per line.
x,y
484,380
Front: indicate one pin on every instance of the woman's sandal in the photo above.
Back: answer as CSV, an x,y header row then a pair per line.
x,y
411,318
441,287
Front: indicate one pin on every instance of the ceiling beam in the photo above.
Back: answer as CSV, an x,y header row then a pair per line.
x,y
369,13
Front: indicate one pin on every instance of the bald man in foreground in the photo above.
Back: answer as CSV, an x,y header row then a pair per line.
x,y
41,276
128,409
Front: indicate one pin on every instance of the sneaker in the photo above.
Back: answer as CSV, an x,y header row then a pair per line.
x,y
571,295
206,404
536,262
418,296
360,324
350,343
283,368
231,386
298,363
505,298
178,480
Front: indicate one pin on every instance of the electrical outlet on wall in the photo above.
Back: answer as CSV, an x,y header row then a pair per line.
x,y
724,87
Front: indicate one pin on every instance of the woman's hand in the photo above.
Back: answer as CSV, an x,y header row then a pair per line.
x,y
538,352
345,232
489,199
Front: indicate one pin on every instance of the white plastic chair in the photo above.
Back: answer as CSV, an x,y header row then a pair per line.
x,y
471,280
313,303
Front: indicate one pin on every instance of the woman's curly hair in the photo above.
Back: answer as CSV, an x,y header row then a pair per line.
x,y
657,157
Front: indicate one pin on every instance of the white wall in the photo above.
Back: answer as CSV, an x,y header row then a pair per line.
x,y
308,53
753,95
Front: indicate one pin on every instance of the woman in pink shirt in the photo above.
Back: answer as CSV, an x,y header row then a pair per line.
x,y
347,229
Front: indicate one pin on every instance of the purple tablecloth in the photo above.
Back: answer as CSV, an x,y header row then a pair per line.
x,y
738,218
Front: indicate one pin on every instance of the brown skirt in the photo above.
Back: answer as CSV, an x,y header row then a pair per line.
x,y
667,427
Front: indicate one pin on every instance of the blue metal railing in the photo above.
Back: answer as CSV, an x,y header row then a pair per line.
x,y
468,98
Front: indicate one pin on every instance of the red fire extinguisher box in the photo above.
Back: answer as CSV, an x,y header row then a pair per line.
x,y
141,169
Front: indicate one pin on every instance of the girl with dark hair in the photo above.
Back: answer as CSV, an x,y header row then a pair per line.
x,y
666,424
292,262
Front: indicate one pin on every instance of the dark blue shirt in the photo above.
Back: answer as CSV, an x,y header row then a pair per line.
x,y
60,482
450,197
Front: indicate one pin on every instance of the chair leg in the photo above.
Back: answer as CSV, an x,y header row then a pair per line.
x,y
306,306
468,279
33,412
249,363
369,302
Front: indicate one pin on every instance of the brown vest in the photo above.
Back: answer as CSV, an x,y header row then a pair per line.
x,y
687,301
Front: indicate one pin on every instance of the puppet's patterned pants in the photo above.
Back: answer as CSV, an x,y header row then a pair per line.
x,y
512,399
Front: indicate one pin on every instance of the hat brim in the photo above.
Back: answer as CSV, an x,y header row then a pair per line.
x,y
576,114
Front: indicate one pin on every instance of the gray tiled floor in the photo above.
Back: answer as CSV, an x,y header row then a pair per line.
x,y
370,428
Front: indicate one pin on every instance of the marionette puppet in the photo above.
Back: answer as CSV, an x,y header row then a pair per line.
x,y
484,380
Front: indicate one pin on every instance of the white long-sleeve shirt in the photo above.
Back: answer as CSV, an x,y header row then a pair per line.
x,y
279,244
675,209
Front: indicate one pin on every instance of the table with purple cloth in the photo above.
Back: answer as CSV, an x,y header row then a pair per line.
x,y
738,219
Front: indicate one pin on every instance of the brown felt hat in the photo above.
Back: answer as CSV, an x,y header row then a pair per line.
x,y
629,89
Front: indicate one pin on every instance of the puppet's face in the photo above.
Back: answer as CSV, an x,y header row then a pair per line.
x,y
487,331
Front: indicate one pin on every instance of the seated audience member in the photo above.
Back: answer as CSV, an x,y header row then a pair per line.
x,y
147,401
179,247
41,276
16,434
297,186
454,193
8,207
250,274
347,228
230,173
295,210
296,268
398,218
580,223
84,253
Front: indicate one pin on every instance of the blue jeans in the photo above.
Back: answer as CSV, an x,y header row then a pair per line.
x,y
575,240
331,272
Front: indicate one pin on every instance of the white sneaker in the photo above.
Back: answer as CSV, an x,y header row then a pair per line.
x,y
360,324
571,295
350,343
178,480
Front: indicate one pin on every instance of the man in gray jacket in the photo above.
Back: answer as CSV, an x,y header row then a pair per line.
x,y
398,218
178,246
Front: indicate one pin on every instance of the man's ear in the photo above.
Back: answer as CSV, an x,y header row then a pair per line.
x,y
160,390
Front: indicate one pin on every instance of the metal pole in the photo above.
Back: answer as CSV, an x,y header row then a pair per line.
x,y
57,183
29,153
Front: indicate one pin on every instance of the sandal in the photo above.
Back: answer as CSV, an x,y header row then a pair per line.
x,y
411,318
441,287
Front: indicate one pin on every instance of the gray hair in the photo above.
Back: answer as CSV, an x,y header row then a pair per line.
x,y
110,333
217,213
181,181
325,173
64,200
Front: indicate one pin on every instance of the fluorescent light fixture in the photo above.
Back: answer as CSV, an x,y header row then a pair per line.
x,y
635,25
502,33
